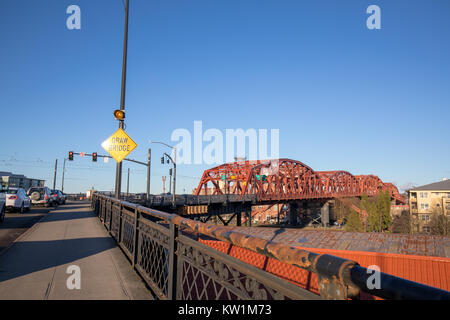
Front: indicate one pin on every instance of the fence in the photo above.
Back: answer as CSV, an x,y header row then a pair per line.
x,y
164,250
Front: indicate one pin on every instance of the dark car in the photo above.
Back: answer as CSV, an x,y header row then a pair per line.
x,y
41,196
58,196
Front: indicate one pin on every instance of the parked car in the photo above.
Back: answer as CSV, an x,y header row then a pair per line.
x,y
58,196
17,199
41,196
2,206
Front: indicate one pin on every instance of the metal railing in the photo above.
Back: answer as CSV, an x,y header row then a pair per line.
x,y
164,250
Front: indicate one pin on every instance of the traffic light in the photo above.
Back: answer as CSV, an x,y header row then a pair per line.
x,y
170,172
70,155
162,160
119,114
94,156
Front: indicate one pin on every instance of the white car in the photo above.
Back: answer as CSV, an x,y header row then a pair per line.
x,y
17,200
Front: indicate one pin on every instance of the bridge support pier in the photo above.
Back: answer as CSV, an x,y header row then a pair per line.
x,y
293,206
249,218
325,214
238,219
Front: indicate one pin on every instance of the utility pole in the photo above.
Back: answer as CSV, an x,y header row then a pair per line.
x,y
174,162
54,178
174,175
149,161
64,169
122,97
128,182
170,180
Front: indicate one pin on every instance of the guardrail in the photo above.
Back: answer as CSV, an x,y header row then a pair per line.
x,y
75,196
162,248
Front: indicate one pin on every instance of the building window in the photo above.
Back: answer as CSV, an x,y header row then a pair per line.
x,y
424,194
424,206
425,217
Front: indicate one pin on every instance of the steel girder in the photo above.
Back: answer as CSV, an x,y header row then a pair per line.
x,y
286,179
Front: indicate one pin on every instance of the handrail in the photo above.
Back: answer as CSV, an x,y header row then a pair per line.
x,y
338,278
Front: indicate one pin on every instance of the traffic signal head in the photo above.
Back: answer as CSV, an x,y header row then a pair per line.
x,y
119,114
70,155
162,160
170,172
94,156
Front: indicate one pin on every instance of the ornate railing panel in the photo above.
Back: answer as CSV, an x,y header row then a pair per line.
x,y
163,249
153,256
208,274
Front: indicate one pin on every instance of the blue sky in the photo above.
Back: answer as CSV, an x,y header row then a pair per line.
x,y
343,96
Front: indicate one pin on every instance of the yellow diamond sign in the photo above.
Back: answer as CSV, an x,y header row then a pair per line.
x,y
119,145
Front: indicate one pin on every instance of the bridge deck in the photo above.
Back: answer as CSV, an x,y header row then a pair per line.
x,y
35,266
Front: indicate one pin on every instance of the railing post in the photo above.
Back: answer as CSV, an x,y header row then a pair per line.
x,y
173,270
136,235
119,230
110,214
103,211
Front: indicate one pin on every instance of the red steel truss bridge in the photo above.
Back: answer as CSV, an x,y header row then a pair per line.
x,y
287,179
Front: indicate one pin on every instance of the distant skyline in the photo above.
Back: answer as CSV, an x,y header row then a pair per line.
x,y
342,96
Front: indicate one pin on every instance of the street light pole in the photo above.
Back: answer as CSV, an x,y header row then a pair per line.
x,y
122,97
174,175
174,161
148,172
64,169
54,178
128,182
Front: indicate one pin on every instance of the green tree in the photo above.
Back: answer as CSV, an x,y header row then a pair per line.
x,y
378,211
354,223
373,218
384,209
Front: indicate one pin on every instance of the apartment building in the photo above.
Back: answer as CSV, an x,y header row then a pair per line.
x,y
426,201
8,179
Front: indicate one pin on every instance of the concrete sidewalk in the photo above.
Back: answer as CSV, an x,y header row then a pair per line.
x,y
35,266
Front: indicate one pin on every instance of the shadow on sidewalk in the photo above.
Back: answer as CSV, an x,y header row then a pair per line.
x,y
32,256
62,216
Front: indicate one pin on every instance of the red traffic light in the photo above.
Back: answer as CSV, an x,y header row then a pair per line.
x,y
94,156
70,155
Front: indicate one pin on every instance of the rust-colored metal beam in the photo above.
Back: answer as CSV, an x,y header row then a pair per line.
x,y
286,179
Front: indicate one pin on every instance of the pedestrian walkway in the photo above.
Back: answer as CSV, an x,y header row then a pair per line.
x,y
36,265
